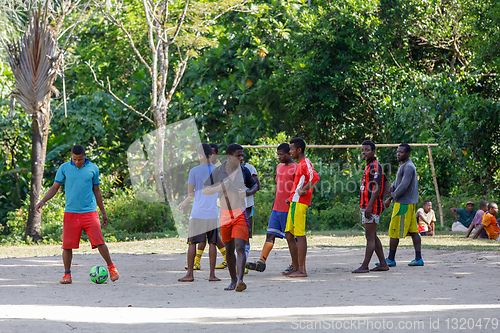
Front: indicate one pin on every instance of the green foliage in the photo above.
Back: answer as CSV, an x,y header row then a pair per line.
x,y
445,109
14,149
331,72
129,215
52,221
105,128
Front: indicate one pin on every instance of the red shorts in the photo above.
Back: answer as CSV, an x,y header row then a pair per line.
x,y
233,224
74,223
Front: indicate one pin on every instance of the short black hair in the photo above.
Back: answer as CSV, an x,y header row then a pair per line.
x,y
205,150
490,205
214,146
426,201
369,143
78,150
406,147
232,148
284,147
299,143
483,203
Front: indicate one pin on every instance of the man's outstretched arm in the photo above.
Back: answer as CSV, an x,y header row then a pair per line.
x,y
49,195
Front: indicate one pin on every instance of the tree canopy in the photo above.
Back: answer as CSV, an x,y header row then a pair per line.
x,y
332,72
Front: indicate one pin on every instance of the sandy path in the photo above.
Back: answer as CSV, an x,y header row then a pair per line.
x,y
445,295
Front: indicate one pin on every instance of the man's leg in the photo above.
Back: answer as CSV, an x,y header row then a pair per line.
x,y
220,245
103,250
113,272
459,227
199,253
301,256
231,264
417,244
90,223
249,212
241,257
222,251
189,277
293,248
393,246
371,245
67,258
260,265
240,263
379,249
212,255
71,238
267,248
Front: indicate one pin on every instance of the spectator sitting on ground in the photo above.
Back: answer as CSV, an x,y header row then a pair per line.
x,y
489,223
465,217
426,218
483,207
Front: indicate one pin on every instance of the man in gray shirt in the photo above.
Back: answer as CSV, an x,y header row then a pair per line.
x,y
404,191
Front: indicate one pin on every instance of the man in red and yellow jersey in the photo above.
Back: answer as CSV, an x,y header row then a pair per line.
x,y
300,199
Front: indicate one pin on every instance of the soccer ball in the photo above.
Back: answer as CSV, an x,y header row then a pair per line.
x,y
98,274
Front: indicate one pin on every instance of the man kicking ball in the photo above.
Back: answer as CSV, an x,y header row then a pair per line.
x,y
81,186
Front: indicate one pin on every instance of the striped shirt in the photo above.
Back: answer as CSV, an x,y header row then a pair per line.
x,y
373,174
305,173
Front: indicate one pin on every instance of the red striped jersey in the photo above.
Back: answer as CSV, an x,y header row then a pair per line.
x,y
304,174
372,174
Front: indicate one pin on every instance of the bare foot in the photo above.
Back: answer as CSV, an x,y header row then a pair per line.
x,y
241,286
291,272
380,268
297,274
231,286
361,269
213,278
186,278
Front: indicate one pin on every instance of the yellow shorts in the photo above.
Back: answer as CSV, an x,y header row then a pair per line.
x,y
403,221
296,219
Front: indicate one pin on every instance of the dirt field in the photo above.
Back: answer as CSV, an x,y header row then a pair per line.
x,y
452,292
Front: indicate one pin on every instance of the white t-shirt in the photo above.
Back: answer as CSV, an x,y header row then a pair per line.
x,y
253,171
430,217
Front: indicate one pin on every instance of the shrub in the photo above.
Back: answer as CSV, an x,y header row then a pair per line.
x,y
127,214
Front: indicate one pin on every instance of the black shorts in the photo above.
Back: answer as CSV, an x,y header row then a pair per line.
x,y
200,230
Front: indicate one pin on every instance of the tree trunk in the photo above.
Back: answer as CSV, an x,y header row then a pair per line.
x,y
40,130
161,186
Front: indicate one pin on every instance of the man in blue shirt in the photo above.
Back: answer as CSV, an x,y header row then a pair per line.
x,y
81,183
203,220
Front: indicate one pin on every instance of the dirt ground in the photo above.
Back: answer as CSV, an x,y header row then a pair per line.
x,y
454,291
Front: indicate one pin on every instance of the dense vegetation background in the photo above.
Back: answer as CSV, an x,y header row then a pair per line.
x,y
332,72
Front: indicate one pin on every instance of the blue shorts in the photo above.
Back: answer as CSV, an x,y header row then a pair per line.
x,y
277,223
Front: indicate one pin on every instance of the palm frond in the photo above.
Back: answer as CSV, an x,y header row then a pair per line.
x,y
34,61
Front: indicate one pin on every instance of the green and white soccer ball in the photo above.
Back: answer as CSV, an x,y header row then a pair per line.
x,y
98,274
